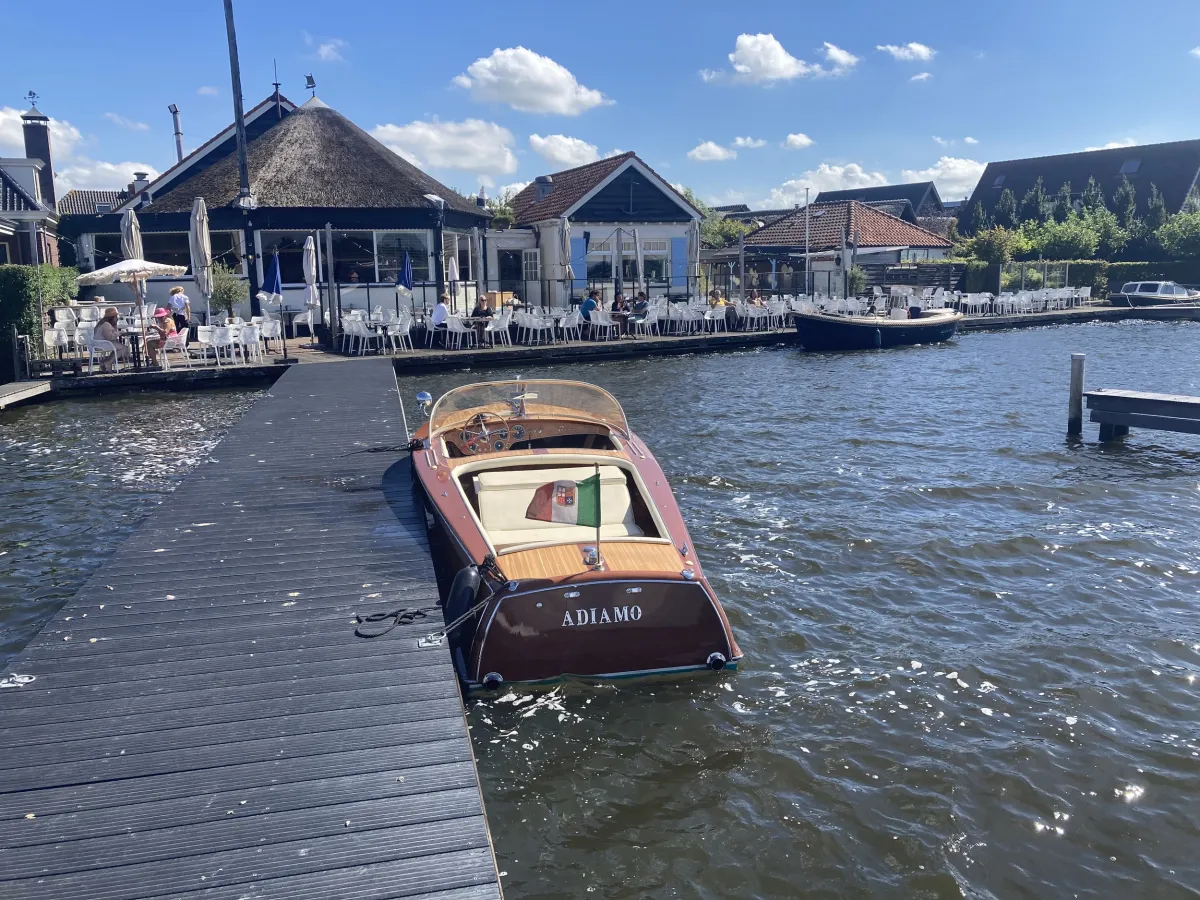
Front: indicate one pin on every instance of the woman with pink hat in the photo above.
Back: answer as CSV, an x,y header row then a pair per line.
x,y
157,334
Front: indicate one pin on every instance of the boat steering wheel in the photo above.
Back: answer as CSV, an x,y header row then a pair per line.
x,y
481,439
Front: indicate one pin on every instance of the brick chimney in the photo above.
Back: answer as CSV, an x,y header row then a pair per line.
x,y
37,146
543,187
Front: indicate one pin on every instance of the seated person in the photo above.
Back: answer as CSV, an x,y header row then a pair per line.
x,y
586,307
157,334
640,309
106,330
620,304
482,310
715,299
440,314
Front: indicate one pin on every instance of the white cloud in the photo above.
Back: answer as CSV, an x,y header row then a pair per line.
x,y
1195,51
921,76
707,75
710,151
72,169
331,50
1114,145
798,141
81,172
761,59
512,188
909,52
970,140
841,60
749,143
472,145
126,123
207,90
823,178
528,82
941,141
564,151
954,177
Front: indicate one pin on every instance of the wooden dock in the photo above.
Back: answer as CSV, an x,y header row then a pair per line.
x,y
22,392
203,722
1118,411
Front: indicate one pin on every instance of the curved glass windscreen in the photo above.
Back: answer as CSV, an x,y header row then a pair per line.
x,y
523,399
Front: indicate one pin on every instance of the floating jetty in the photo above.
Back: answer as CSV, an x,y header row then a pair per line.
x,y
202,720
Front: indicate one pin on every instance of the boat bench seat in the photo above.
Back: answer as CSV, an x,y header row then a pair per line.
x,y
504,496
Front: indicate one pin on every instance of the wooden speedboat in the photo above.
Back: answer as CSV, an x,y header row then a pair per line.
x,y
827,331
558,541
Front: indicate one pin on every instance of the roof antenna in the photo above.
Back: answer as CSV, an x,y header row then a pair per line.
x,y
310,85
278,108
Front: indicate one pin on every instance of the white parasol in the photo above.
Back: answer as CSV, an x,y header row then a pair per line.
x,y
130,270
641,262
564,249
200,245
312,300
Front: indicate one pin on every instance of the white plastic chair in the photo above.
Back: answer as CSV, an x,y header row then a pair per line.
x,y
177,341
94,345
648,325
572,325
497,329
601,323
250,338
398,335
459,333
224,339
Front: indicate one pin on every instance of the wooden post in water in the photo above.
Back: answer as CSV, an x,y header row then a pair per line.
x,y
1075,404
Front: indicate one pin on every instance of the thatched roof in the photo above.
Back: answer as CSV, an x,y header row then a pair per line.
x,y
315,157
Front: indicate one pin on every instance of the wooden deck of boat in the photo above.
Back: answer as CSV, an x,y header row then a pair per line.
x,y
204,724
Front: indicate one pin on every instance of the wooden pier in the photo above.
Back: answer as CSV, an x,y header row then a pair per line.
x,y
22,392
203,722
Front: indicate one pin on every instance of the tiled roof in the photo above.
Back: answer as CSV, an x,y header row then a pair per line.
x,y
314,157
83,203
829,221
916,193
1171,167
14,198
570,186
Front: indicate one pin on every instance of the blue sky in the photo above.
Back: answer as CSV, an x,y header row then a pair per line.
x,y
820,95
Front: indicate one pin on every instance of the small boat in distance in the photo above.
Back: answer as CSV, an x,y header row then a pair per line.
x,y
830,331
1153,293
558,545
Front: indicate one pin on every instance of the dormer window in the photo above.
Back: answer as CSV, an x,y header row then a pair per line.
x,y
999,182
1130,167
102,208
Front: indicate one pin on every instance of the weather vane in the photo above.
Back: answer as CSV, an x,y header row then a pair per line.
x,y
32,98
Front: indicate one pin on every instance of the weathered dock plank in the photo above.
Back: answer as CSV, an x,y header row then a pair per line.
x,y
22,392
203,721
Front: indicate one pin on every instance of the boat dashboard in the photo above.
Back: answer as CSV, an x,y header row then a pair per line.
x,y
489,432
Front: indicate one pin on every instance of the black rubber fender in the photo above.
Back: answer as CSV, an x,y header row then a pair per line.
x,y
463,592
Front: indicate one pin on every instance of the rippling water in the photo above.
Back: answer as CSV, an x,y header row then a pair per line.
x,y
971,648
77,476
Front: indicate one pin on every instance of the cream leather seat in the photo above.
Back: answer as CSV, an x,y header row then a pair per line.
x,y
504,496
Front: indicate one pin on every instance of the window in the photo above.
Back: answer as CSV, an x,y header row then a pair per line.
x,y
354,256
654,246
102,208
1130,167
531,265
599,266
1148,287
999,182
1180,291
390,247
290,246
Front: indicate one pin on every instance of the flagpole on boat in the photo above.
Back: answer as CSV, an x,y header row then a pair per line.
x,y
599,558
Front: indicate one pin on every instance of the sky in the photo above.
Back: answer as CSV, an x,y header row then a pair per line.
x,y
743,103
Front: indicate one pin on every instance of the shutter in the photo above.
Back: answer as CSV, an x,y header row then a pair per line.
x,y
679,262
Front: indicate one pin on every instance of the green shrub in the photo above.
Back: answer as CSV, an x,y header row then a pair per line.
x,y
228,289
856,281
19,297
1180,236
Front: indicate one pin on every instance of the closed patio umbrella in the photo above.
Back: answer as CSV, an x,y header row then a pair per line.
x,y
564,253
131,249
312,300
200,245
641,261
693,250
452,269
404,285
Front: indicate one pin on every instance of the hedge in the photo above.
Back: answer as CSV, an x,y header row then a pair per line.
x,y
19,297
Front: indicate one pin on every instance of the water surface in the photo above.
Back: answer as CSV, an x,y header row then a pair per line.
x,y
971,647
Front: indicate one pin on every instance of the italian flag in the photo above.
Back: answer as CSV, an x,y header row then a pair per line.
x,y
569,502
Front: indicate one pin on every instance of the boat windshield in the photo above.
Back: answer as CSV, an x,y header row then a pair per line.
x,y
528,399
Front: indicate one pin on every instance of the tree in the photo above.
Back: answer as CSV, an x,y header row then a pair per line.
x,y
716,231
1192,201
1156,210
1062,203
1033,205
228,289
1180,236
980,220
998,245
1073,238
501,209
1006,209
1111,237
1092,197
1125,204
856,281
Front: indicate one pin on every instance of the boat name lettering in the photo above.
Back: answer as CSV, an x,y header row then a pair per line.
x,y
601,615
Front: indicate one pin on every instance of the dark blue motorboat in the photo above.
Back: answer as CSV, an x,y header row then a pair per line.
x,y
826,331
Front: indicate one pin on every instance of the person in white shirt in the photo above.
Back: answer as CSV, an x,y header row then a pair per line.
x,y
180,307
440,312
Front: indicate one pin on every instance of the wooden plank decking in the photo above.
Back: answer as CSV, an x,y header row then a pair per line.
x,y
1117,411
21,392
204,724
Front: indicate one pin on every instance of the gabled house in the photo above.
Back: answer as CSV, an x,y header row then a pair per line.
x,y
28,220
309,166
601,202
1172,167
